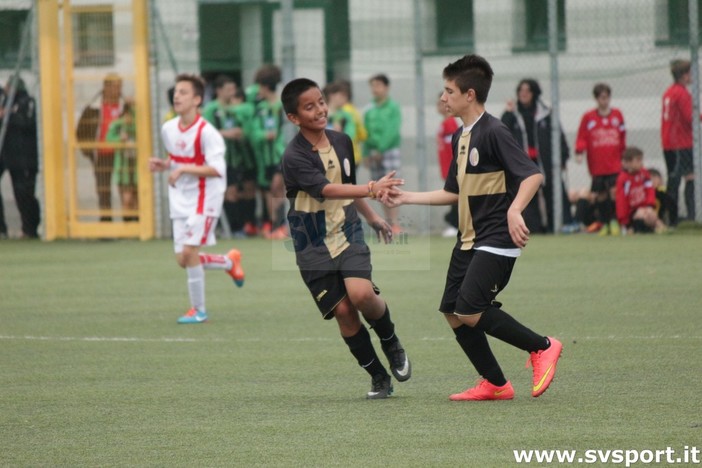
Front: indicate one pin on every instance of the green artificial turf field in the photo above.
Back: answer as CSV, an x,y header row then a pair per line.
x,y
95,371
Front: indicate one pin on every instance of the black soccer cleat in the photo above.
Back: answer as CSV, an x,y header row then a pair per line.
x,y
381,387
399,363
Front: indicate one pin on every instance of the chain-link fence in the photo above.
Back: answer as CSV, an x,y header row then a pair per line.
x,y
627,44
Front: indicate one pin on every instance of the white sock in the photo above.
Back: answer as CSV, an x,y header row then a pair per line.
x,y
215,262
196,287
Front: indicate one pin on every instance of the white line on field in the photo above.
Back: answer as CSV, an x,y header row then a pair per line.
x,y
121,339
104,338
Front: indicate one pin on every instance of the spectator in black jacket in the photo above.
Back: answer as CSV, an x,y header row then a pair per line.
x,y
529,120
19,155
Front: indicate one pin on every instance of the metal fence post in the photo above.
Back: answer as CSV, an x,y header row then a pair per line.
x,y
694,58
420,146
555,117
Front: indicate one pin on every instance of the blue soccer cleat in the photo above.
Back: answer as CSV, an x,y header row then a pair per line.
x,y
193,316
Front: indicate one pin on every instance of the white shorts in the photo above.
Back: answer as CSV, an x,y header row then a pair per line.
x,y
195,230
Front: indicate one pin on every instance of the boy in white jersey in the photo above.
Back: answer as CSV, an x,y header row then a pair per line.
x,y
196,186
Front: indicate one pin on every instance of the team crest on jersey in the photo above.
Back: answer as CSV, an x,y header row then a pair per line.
x,y
615,122
474,157
347,168
180,144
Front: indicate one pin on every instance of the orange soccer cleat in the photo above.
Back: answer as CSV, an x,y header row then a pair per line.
x,y
544,364
485,391
236,272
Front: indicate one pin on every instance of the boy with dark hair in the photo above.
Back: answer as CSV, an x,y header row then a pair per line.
x,y
334,260
636,196
492,180
602,137
196,185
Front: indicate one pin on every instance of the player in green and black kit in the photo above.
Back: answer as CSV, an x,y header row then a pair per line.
x,y
231,117
269,145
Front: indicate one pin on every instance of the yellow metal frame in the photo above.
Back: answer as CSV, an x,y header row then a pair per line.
x,y
53,149
59,144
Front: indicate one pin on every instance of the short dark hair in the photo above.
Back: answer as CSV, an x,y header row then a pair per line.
x,y
654,172
269,76
290,97
632,152
601,88
471,72
333,88
223,80
195,80
382,77
679,67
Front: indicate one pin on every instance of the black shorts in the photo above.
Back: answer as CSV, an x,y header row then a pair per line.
x,y
474,279
326,284
238,175
679,162
603,183
269,172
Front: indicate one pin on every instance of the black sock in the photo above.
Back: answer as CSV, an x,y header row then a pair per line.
x,y
475,344
280,216
233,212
384,328
248,211
690,199
498,323
362,349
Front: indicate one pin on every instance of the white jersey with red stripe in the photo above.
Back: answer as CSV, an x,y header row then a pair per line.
x,y
200,144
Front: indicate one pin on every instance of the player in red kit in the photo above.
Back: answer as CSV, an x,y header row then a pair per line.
x,y
636,196
676,138
602,137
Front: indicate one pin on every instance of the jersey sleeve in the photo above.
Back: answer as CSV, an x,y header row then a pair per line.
x,y
214,148
451,182
511,155
582,137
300,173
650,191
622,131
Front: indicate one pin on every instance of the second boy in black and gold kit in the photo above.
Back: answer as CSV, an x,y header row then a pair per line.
x,y
492,180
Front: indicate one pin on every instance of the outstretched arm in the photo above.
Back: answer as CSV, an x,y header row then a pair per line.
x,y
397,197
373,189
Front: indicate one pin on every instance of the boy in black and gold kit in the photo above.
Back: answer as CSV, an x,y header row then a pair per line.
x,y
334,260
492,180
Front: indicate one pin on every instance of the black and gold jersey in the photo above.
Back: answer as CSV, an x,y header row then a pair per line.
x,y
487,168
320,229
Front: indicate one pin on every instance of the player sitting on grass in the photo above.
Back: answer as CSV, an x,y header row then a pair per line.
x,y
492,180
636,196
334,260
196,186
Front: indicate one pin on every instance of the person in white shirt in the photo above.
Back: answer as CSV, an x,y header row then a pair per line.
x,y
196,185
